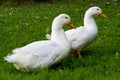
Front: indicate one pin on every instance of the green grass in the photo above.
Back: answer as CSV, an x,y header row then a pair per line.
x,y
28,23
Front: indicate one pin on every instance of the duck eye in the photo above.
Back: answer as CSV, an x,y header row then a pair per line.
x,y
97,9
66,17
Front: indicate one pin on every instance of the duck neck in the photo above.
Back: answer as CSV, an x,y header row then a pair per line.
x,y
89,22
58,34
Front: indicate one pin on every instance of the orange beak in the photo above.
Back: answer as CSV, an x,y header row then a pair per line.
x,y
103,15
71,25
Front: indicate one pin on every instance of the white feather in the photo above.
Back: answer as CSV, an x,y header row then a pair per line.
x,y
42,54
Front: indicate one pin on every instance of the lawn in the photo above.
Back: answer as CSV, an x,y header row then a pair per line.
x,y
23,24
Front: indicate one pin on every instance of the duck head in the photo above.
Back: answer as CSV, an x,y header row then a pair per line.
x,y
95,11
63,19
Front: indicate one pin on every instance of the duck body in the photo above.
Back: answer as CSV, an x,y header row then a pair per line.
x,y
37,55
84,35
42,54
81,37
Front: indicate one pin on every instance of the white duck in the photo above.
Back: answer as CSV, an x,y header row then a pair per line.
x,y
83,35
42,54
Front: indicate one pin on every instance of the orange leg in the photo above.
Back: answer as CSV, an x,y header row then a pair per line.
x,y
72,53
79,54
73,56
